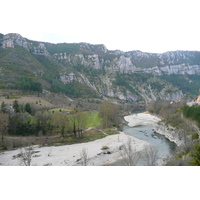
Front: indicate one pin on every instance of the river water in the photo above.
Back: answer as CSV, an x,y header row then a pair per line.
x,y
163,146
159,142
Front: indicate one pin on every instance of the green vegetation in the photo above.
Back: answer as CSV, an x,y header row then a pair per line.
x,y
122,81
58,125
27,108
55,110
195,136
134,81
164,109
25,83
186,83
109,114
183,120
63,47
195,154
192,112
57,87
50,64
17,63
93,119
104,148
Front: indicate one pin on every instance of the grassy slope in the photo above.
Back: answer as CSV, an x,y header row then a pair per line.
x,y
93,119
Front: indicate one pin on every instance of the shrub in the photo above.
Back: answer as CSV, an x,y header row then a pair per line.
x,y
195,154
195,136
104,148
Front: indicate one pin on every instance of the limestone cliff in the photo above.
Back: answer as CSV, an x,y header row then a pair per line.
x,y
128,76
171,133
12,39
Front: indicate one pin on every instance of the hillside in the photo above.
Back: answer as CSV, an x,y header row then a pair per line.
x,y
92,71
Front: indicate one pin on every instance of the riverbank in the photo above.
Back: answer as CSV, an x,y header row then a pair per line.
x,y
170,133
141,119
70,155
143,126
145,118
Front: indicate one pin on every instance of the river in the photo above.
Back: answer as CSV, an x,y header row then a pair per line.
x,y
163,146
160,142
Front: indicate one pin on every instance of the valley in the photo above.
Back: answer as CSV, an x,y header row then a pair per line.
x,y
73,93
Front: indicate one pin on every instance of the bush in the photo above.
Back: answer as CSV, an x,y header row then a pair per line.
x,y
195,154
6,145
195,136
192,112
104,148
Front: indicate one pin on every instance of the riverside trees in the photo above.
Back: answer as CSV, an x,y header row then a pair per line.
x,y
26,120
78,120
55,125
108,112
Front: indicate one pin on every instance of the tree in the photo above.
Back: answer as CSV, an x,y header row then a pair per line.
x,y
27,108
43,122
16,106
108,113
129,154
3,107
4,121
195,154
84,156
78,120
150,155
72,118
81,120
26,155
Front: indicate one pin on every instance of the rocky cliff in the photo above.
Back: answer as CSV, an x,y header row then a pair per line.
x,y
171,133
129,76
12,39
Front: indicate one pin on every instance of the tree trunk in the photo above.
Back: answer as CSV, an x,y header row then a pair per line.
x,y
74,129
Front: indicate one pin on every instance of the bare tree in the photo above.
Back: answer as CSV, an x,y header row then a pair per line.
x,y
108,113
84,156
4,120
150,155
129,154
81,121
26,155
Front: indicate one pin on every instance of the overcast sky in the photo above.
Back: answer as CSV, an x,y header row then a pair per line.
x,y
147,25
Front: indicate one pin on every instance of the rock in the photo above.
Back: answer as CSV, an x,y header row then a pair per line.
x,y
106,152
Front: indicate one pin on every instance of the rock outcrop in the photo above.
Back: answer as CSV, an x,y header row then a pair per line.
x,y
171,133
12,39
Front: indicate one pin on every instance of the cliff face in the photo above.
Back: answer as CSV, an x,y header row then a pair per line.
x,y
12,39
125,64
171,133
129,76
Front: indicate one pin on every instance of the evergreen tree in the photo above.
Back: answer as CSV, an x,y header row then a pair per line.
x,y
3,107
195,154
28,108
16,106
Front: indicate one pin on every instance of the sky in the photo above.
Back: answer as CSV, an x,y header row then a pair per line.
x,y
153,26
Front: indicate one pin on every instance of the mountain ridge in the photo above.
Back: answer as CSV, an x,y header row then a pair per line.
x,y
99,72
